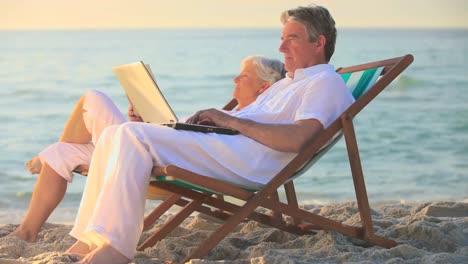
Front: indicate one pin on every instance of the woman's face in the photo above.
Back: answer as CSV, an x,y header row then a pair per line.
x,y
248,84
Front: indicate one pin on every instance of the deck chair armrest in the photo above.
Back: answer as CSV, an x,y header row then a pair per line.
x,y
183,175
383,63
230,105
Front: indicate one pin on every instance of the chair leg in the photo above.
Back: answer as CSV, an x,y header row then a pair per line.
x,y
292,199
160,210
275,215
360,186
171,224
218,214
218,211
218,235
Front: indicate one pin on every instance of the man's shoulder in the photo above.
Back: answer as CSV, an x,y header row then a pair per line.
x,y
325,77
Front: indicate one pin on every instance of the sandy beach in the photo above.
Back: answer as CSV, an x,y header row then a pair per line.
x,y
435,232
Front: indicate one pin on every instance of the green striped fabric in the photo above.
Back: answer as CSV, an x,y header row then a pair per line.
x,y
183,184
345,76
195,187
357,82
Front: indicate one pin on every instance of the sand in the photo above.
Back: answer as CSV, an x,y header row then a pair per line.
x,y
435,232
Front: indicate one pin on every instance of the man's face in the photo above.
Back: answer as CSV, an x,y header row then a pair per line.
x,y
298,51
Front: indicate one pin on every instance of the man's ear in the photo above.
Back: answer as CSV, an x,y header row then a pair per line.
x,y
321,41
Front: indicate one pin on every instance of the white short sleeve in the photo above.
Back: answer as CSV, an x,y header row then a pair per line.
x,y
324,99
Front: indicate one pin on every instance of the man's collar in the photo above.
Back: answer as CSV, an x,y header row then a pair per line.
x,y
300,74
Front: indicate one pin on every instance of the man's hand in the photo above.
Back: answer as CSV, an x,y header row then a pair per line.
x,y
211,117
132,116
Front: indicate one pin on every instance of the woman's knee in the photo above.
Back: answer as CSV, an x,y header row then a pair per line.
x,y
95,95
95,98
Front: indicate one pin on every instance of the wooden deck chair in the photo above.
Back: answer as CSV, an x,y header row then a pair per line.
x,y
203,194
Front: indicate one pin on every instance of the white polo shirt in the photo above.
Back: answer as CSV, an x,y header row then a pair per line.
x,y
316,92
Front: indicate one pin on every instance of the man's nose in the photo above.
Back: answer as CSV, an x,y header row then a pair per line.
x,y
283,46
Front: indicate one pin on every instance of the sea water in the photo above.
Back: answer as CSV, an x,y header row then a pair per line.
x,y
413,138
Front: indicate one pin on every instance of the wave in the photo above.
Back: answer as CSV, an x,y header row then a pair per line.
x,y
25,196
405,81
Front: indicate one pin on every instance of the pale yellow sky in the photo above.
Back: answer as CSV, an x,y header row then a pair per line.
x,y
91,14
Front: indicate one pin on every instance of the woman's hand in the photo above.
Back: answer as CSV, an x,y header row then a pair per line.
x,y
132,116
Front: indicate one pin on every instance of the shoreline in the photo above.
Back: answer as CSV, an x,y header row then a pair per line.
x,y
66,214
432,232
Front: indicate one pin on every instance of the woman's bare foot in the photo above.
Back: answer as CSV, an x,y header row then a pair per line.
x,y
34,165
103,255
80,248
24,235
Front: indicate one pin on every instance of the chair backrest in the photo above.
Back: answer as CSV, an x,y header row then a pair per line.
x,y
367,88
358,83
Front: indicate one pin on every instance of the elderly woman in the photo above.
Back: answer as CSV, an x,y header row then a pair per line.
x,y
91,115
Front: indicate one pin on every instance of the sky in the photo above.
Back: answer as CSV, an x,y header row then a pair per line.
x,y
95,14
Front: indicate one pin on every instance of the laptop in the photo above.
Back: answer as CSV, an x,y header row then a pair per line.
x,y
149,102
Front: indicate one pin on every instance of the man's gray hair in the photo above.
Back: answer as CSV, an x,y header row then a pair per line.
x,y
268,70
317,21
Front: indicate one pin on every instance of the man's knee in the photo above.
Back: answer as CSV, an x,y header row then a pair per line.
x,y
129,129
137,131
110,130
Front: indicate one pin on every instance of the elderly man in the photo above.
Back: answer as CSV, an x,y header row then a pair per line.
x,y
272,129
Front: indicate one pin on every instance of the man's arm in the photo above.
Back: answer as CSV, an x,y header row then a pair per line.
x,y
281,137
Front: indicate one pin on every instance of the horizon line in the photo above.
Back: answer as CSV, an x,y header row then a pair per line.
x,y
229,28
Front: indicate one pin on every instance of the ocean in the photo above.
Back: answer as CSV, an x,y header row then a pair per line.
x,y
413,138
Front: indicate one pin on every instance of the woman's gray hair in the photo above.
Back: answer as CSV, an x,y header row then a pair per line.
x,y
268,70
317,21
